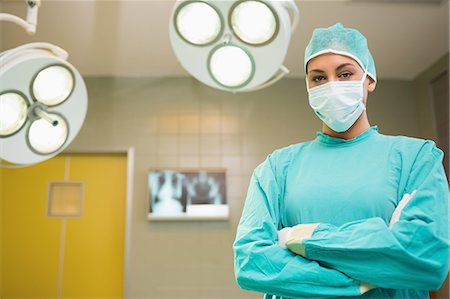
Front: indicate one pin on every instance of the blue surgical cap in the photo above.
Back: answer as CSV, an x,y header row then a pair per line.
x,y
344,41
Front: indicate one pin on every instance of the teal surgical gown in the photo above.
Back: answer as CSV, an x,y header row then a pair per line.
x,y
351,188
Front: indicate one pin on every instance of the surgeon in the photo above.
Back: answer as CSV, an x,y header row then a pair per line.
x,y
353,213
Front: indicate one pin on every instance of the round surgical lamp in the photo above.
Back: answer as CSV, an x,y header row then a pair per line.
x,y
233,45
43,103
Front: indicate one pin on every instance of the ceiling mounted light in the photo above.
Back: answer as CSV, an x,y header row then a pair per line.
x,y
244,53
13,113
230,66
45,137
53,85
43,99
253,22
198,23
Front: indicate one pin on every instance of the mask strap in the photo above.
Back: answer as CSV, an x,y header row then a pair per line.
x,y
364,77
307,84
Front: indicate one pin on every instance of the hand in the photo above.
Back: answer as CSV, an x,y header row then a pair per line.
x,y
399,209
283,236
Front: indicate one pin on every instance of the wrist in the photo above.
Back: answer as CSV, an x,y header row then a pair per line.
x,y
297,235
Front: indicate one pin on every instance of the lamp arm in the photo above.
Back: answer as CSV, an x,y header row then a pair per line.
x,y
40,45
283,71
31,21
15,19
292,8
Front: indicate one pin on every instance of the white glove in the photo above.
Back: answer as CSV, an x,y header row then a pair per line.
x,y
399,209
283,236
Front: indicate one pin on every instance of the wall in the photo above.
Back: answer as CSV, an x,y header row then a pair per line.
x,y
424,100
426,119
178,122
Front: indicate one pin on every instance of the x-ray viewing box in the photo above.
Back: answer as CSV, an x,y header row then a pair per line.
x,y
187,194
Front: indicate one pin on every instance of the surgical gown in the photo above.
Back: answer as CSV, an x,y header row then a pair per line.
x,y
350,188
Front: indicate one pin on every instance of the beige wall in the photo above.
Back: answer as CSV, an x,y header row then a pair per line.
x,y
179,122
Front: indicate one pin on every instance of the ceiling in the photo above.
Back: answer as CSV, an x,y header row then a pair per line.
x,y
130,38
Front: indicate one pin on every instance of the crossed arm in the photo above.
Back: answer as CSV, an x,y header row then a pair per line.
x,y
322,260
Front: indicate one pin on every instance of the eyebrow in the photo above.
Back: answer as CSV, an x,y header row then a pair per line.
x,y
337,69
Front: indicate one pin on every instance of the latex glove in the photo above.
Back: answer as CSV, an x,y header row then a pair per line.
x,y
283,236
399,209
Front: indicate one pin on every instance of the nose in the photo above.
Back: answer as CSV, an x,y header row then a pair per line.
x,y
332,77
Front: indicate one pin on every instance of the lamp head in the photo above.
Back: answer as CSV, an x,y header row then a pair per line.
x,y
43,103
231,45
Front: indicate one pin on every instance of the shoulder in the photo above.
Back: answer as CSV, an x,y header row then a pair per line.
x,y
280,159
286,154
413,147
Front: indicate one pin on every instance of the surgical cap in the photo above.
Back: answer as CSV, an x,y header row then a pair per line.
x,y
344,41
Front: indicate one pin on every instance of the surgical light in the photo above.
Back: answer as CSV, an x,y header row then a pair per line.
x,y
13,113
231,66
198,23
233,45
49,103
43,99
253,22
53,85
46,138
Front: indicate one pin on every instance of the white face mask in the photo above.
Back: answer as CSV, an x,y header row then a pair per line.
x,y
338,103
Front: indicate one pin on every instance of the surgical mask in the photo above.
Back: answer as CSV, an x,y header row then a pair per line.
x,y
338,103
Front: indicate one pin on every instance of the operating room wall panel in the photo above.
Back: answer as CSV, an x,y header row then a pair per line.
x,y
189,144
178,122
211,161
231,144
210,144
189,123
191,161
394,100
233,164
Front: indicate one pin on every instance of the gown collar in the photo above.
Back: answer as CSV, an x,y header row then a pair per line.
x,y
326,139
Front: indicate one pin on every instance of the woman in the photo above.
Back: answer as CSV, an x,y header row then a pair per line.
x,y
353,212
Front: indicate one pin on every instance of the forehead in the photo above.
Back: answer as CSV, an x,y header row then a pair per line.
x,y
330,61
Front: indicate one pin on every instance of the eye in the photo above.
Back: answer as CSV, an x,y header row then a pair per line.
x,y
317,79
345,75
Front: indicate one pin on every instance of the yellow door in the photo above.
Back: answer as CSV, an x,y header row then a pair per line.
x,y
51,257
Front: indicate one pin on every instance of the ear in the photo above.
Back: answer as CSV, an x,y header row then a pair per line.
x,y
372,85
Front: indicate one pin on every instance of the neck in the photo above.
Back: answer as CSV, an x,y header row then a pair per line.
x,y
362,124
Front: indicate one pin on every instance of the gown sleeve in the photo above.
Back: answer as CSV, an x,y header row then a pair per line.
x,y
262,265
412,253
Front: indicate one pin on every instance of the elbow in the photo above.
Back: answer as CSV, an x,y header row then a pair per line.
x,y
243,276
244,271
439,268
436,284
240,275
251,280
435,276
243,281
433,267
438,279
